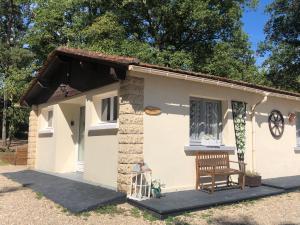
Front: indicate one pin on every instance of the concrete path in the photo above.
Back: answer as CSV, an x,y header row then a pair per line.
x,y
286,183
73,195
182,201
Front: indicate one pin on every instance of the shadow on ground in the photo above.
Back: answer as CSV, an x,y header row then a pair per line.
x,y
11,189
241,220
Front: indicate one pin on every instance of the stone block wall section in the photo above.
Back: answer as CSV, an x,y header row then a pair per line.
x,y
32,137
131,129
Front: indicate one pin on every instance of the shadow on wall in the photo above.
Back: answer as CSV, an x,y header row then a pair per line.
x,y
183,109
69,113
102,132
41,135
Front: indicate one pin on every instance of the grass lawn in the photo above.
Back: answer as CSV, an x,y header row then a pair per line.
x,y
2,163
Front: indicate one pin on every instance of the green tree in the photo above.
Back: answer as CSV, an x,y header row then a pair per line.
x,y
187,34
282,44
15,62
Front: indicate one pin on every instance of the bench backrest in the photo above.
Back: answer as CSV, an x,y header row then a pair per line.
x,y
205,161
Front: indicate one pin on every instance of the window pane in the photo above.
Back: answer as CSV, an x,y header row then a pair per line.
x,y
50,118
105,109
212,120
205,121
196,127
115,108
298,128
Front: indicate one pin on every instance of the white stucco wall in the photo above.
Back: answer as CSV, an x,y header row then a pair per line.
x,y
276,157
57,152
46,151
166,135
101,146
66,137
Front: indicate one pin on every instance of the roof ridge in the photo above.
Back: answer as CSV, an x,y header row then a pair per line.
x,y
95,54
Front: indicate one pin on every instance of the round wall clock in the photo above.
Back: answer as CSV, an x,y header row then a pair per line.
x,y
276,123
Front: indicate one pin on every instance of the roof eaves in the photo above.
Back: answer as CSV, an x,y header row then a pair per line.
x,y
222,79
80,53
218,78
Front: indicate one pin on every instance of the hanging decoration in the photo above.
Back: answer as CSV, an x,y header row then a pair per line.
x,y
276,123
152,110
292,117
239,121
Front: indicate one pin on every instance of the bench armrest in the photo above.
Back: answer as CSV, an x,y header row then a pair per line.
x,y
241,164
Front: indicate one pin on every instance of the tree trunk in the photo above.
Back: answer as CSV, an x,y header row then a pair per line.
x,y
4,118
9,36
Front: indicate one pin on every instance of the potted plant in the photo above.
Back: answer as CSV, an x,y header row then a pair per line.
x,y
156,189
252,179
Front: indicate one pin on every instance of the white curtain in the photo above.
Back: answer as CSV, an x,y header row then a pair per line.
x,y
205,121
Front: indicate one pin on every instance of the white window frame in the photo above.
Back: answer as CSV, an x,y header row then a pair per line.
x,y
111,116
44,121
296,126
97,122
50,126
209,142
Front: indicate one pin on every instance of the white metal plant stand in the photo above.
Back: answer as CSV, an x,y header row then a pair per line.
x,y
140,187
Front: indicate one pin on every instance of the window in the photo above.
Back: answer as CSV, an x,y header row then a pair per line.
x,y
205,122
50,118
298,128
109,109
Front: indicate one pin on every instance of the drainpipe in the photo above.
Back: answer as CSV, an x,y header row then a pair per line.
x,y
252,116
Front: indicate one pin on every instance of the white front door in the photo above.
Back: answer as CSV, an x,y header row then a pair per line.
x,y
80,156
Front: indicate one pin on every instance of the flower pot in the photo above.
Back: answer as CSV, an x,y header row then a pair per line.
x,y
155,193
253,181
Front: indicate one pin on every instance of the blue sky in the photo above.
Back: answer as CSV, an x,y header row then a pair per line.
x,y
254,21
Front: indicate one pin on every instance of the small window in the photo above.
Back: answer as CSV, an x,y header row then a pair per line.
x,y
109,109
50,118
298,128
205,122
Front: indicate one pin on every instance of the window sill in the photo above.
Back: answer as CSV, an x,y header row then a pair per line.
x,y
297,149
48,130
104,126
190,149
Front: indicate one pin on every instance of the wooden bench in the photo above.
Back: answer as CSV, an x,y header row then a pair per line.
x,y
214,164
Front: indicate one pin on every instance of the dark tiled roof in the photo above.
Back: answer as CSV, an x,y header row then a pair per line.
x,y
124,62
85,54
120,61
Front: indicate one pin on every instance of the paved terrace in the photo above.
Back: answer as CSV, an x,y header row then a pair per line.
x,y
73,195
79,196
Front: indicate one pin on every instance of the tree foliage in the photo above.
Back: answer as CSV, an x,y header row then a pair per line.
x,y
187,34
15,62
282,44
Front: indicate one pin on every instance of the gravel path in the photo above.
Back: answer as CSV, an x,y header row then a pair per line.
x,y
19,205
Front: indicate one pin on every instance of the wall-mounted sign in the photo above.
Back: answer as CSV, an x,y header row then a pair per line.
x,y
152,110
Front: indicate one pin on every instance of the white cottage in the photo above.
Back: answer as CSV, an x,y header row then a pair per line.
x,y
99,115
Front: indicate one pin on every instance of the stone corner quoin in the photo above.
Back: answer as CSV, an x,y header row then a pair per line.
x,y
131,129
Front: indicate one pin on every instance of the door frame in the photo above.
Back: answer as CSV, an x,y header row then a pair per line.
x,y
80,164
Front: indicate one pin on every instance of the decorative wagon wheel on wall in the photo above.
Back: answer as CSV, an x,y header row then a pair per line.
x,y
276,123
